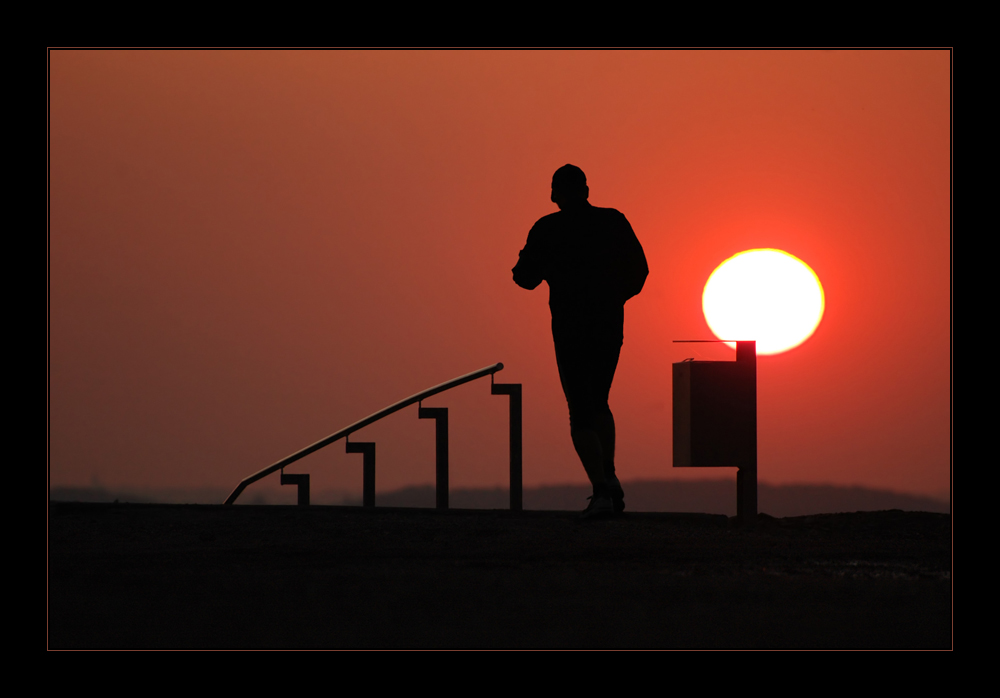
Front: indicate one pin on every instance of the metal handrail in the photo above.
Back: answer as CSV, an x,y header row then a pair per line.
x,y
347,431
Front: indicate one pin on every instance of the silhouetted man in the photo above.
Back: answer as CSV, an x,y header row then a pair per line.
x,y
593,263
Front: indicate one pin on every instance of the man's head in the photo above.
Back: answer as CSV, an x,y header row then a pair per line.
x,y
569,187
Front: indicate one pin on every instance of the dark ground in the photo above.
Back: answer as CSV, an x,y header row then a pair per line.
x,y
199,576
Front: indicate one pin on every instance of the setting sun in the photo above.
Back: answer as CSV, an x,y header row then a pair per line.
x,y
766,295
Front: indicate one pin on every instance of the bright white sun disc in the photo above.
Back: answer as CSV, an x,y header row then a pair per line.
x,y
766,295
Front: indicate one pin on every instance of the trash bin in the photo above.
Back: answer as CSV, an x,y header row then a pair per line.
x,y
715,420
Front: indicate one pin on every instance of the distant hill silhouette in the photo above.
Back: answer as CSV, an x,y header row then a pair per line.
x,y
704,496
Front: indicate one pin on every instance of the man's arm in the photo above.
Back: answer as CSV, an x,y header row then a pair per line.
x,y
634,266
530,268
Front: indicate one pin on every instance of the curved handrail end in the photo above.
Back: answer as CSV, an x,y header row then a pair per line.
x,y
236,493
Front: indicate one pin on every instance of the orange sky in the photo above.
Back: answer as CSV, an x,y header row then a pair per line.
x,y
250,250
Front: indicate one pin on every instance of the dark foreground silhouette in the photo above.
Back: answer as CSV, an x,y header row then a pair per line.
x,y
148,575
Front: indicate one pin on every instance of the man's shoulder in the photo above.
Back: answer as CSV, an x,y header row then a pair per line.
x,y
610,213
563,222
547,227
549,220
563,217
612,219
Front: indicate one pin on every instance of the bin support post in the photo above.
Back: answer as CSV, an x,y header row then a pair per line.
x,y
440,416
746,495
746,476
513,390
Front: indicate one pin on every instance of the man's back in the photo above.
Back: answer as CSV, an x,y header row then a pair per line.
x,y
589,256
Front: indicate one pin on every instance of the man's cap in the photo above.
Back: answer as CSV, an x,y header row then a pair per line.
x,y
569,178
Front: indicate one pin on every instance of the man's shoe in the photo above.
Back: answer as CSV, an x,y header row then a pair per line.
x,y
599,506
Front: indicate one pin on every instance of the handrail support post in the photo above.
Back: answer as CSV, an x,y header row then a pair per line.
x,y
440,416
300,479
513,390
368,449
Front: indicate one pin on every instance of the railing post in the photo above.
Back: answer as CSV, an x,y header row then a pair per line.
x,y
300,479
514,391
368,449
440,415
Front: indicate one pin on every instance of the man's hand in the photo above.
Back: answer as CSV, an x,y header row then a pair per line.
x,y
525,276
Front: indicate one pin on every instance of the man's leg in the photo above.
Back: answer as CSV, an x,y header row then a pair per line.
x,y
606,434
588,447
605,364
577,383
